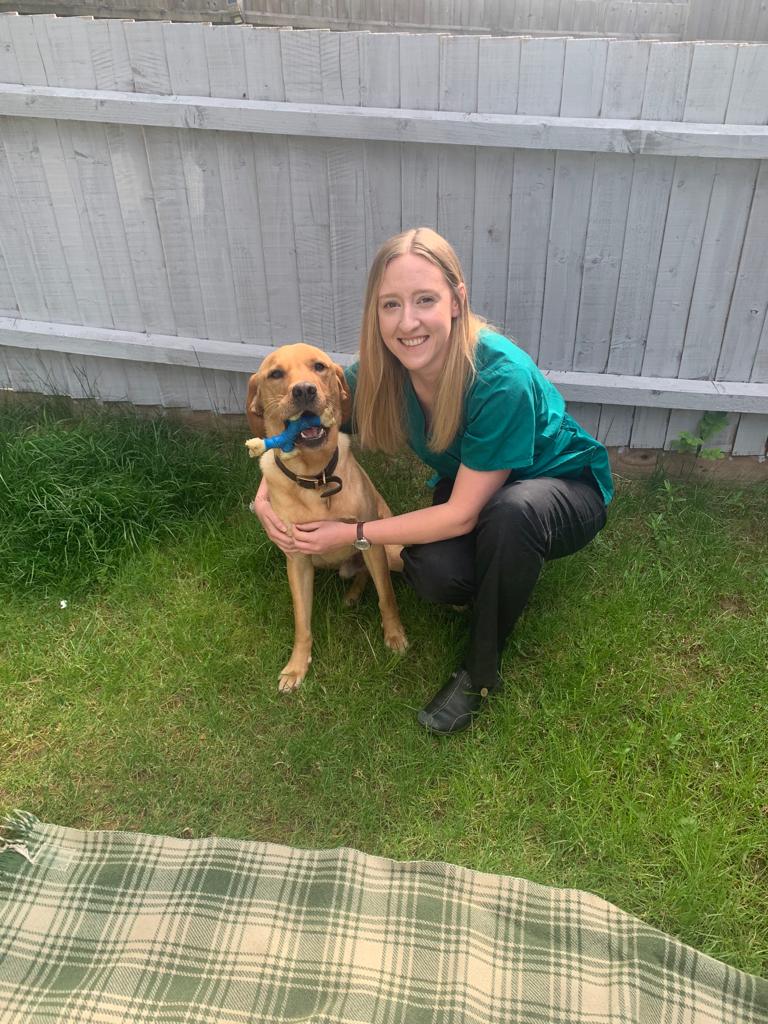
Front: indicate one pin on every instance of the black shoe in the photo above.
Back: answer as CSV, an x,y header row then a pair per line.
x,y
454,707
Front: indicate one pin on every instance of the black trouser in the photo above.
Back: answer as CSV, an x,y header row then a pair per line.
x,y
496,566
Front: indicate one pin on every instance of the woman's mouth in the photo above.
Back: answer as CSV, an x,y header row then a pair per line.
x,y
414,342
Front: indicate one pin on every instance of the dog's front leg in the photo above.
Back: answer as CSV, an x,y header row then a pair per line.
x,y
376,563
301,576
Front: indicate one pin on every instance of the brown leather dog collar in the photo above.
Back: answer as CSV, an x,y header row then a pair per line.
x,y
321,479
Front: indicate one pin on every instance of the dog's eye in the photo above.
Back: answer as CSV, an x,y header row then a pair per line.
x,y
275,374
320,367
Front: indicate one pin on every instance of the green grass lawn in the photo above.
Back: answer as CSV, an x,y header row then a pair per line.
x,y
626,756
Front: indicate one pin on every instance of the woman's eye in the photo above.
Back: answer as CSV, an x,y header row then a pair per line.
x,y
319,367
275,374
389,305
426,299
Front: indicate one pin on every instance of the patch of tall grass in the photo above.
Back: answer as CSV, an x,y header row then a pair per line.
x,y
79,494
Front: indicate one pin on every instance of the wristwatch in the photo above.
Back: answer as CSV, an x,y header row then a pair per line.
x,y
361,543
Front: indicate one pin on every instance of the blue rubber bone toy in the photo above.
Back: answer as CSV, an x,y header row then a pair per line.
x,y
285,441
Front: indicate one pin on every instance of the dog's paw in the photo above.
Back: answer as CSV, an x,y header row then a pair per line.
x,y
289,681
255,446
396,640
292,676
355,589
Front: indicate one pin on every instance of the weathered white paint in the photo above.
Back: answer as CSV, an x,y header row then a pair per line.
x,y
745,20
328,121
540,90
658,393
247,234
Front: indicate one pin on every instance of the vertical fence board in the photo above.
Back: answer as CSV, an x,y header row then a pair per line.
x,y
308,160
264,69
133,183
29,182
584,68
54,225
498,78
708,88
747,104
582,96
664,99
27,62
456,170
603,249
22,290
188,74
341,80
64,45
541,71
380,87
8,304
723,241
164,157
750,299
146,50
622,98
419,90
112,70
20,258
228,77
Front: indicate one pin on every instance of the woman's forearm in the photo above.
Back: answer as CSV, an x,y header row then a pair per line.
x,y
423,526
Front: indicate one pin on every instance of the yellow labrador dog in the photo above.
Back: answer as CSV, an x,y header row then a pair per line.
x,y
319,479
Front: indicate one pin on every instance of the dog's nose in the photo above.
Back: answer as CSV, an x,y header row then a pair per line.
x,y
304,392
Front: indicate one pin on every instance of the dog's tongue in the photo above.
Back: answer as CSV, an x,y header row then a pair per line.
x,y
310,433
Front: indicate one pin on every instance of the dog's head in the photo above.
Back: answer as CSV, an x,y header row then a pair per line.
x,y
292,380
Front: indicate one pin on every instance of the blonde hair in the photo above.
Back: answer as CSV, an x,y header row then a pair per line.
x,y
380,391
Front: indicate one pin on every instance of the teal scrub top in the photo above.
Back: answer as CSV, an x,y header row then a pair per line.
x,y
514,419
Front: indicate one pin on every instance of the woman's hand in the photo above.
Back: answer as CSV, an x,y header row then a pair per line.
x,y
274,527
317,538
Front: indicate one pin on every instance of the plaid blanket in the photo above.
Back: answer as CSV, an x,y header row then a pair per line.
x,y
113,927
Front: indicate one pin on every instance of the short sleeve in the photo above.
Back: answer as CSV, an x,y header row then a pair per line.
x,y
500,429
350,375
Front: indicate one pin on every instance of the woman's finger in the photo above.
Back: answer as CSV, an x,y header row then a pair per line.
x,y
306,527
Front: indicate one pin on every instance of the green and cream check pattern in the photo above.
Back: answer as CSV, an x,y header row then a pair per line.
x,y
115,928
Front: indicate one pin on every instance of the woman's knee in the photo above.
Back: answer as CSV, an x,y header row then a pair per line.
x,y
547,515
515,508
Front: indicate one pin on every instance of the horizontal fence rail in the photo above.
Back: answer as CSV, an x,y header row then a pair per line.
x,y
177,199
401,125
666,393
199,352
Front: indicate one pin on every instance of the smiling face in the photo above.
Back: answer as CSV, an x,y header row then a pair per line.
x,y
416,307
292,380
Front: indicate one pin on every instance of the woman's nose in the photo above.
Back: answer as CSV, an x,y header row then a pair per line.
x,y
408,317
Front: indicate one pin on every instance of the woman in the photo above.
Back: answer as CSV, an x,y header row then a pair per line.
x,y
517,480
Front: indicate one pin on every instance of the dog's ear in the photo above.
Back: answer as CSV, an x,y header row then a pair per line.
x,y
254,410
344,394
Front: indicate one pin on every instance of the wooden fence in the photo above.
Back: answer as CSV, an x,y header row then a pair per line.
x,y
177,198
738,20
